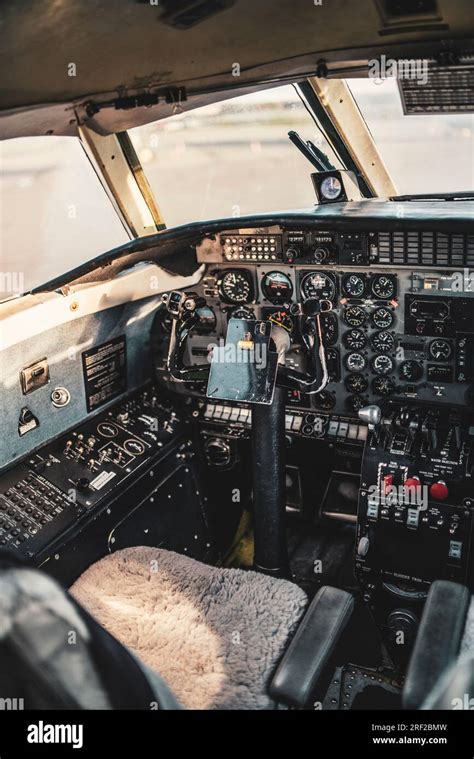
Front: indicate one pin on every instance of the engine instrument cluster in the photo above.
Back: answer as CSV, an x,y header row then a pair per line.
x,y
397,331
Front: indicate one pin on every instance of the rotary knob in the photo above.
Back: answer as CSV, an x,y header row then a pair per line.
x,y
320,255
292,254
83,484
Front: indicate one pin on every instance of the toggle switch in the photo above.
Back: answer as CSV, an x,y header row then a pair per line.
x,y
27,421
363,547
387,483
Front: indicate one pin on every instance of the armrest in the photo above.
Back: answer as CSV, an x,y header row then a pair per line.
x,y
454,688
438,641
311,648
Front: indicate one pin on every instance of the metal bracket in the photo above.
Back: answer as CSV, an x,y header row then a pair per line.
x,y
124,102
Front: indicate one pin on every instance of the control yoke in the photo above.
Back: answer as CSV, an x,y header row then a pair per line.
x,y
184,309
308,314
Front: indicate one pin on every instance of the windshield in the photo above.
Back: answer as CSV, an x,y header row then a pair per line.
x,y
423,154
234,157
227,159
231,158
54,213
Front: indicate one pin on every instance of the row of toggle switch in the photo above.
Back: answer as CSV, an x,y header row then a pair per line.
x,y
300,423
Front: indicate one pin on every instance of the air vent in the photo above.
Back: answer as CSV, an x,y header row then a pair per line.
x,y
443,89
183,14
397,8
401,11
404,16
426,248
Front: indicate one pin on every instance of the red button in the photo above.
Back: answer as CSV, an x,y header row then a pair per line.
x,y
412,482
439,491
387,482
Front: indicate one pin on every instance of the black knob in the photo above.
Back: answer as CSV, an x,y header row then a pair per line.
x,y
82,484
292,253
320,254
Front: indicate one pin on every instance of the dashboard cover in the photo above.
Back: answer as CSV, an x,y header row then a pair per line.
x,y
175,249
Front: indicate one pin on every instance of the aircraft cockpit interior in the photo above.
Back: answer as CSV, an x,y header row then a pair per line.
x,y
237,356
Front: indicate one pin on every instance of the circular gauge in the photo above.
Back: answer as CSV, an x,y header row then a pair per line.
x,y
382,342
383,386
356,402
355,339
277,287
356,383
316,284
207,320
235,287
353,285
440,350
282,319
329,328
355,362
354,316
241,313
324,400
382,318
331,188
107,429
411,371
135,447
384,286
382,365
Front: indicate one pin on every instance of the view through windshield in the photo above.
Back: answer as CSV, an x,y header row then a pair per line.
x,y
54,213
423,154
231,158
227,159
234,157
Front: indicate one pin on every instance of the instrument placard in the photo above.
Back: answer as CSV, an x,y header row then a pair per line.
x,y
105,372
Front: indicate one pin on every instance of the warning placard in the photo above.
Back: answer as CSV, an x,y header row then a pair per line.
x,y
105,372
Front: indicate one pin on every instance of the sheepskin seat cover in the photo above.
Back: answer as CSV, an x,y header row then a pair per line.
x,y
215,635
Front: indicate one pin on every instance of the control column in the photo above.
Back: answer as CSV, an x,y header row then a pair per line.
x,y
268,461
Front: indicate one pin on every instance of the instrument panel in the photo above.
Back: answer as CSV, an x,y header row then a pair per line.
x,y
398,331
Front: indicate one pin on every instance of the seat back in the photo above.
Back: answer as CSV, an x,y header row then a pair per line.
x,y
455,688
54,655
